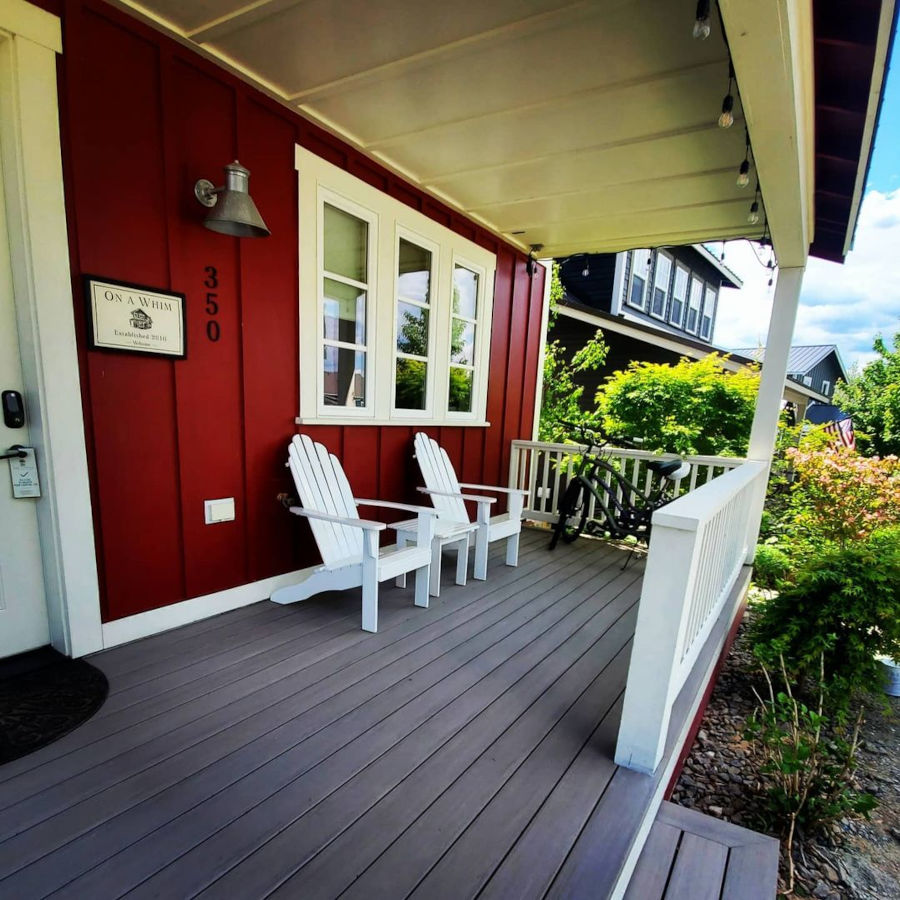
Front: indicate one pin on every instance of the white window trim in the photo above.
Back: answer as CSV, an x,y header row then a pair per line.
x,y
708,291
826,386
679,323
687,309
318,179
668,287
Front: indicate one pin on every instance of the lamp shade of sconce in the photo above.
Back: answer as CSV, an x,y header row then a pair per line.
x,y
232,210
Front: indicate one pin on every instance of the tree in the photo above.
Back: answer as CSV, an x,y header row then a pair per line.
x,y
690,407
872,398
560,401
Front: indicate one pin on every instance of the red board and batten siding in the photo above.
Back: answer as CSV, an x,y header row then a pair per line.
x,y
142,119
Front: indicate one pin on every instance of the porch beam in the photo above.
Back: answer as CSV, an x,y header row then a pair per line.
x,y
771,44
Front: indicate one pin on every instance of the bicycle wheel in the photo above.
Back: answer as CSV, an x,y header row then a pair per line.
x,y
573,513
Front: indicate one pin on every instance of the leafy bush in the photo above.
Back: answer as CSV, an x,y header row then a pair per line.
x,y
807,760
842,602
839,495
690,407
770,567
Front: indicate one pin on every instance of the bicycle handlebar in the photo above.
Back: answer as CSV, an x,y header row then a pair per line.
x,y
597,436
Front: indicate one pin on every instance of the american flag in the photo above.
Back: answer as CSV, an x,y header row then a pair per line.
x,y
842,433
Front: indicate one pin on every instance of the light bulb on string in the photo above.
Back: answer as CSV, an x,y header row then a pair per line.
x,y
587,269
743,178
753,215
701,20
726,119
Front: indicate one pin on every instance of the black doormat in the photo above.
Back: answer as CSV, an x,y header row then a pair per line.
x,y
44,695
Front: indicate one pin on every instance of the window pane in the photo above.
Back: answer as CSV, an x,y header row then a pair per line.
x,y
676,312
412,329
414,272
465,292
460,394
344,312
346,243
345,377
462,342
637,292
706,324
411,380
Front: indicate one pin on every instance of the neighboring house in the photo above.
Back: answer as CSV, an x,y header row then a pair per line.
x,y
817,366
410,160
660,317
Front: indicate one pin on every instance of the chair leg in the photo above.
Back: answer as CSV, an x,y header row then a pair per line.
x,y
462,560
434,587
481,553
512,550
370,593
423,577
400,581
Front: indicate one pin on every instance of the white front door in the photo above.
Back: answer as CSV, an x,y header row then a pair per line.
x,y
23,610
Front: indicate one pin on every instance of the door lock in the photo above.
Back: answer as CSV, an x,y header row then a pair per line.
x,y
17,451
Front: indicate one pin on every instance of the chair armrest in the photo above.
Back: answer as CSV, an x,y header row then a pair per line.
x,y
472,497
365,524
389,504
499,490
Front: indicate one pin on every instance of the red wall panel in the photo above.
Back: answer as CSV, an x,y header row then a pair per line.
x,y
165,435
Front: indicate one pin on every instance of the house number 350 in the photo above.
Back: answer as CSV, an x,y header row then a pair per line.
x,y
213,331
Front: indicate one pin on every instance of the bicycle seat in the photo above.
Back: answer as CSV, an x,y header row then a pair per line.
x,y
664,467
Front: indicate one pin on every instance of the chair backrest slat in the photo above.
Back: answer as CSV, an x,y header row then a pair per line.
x,y
321,489
439,475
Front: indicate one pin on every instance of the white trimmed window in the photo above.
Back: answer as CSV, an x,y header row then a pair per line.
x,y
661,279
826,387
709,307
679,295
692,321
395,309
637,283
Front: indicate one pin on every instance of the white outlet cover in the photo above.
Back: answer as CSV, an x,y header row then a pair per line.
x,y
221,510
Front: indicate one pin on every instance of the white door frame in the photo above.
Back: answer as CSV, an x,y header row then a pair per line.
x,y
30,38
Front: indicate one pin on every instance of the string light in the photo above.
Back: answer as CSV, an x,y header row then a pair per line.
x,y
701,21
753,215
726,119
587,268
743,178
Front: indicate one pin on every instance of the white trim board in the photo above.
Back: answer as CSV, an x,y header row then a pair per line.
x,y
165,618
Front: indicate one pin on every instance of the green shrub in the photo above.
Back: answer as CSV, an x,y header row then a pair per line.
x,y
770,567
842,601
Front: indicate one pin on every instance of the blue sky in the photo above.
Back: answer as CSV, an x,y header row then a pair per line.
x,y
847,304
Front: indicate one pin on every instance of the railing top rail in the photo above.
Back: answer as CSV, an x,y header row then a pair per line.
x,y
627,452
690,510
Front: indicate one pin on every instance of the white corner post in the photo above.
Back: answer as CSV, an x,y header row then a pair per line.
x,y
771,385
545,322
30,39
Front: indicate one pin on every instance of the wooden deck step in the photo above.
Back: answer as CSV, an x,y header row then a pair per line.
x,y
690,855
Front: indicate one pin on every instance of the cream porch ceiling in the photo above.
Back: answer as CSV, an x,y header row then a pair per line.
x,y
582,126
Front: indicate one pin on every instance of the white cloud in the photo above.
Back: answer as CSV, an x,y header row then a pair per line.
x,y
844,304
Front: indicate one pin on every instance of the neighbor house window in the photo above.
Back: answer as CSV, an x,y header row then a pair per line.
x,y
661,279
640,272
709,307
826,387
679,295
694,303
395,309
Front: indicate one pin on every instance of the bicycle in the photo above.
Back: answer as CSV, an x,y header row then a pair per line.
x,y
621,508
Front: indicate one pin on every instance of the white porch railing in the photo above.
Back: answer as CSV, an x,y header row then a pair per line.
x,y
544,470
698,545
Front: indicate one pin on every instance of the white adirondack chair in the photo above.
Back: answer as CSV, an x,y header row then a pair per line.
x,y
348,544
446,492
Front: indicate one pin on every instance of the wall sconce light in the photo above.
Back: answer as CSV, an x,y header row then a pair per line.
x,y
532,258
232,210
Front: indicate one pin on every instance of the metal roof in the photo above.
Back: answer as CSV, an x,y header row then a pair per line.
x,y
802,358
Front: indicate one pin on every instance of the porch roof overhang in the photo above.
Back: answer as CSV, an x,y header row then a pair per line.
x,y
580,126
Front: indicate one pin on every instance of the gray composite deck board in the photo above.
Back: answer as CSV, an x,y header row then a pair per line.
x,y
690,856
281,751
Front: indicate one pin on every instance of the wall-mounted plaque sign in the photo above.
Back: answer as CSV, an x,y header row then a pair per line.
x,y
134,318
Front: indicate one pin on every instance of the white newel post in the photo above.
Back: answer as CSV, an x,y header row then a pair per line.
x,y
771,385
668,580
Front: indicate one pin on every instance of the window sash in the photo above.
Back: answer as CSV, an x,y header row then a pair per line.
x,y
680,286
695,302
709,305
662,278
637,282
